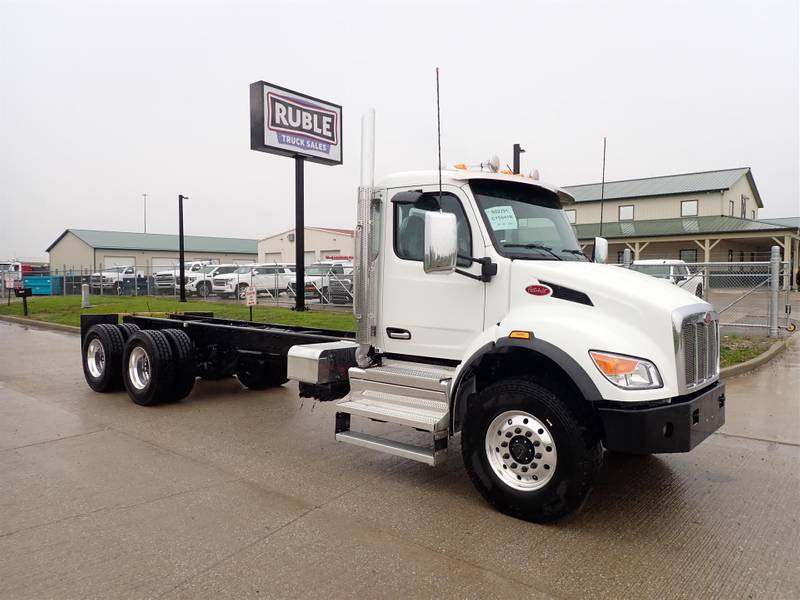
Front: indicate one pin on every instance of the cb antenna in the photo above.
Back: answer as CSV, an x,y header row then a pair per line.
x,y
439,137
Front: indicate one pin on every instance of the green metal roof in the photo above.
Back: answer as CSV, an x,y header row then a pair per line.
x,y
682,183
125,240
793,222
680,226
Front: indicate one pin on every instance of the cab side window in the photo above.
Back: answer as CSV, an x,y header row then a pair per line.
x,y
409,226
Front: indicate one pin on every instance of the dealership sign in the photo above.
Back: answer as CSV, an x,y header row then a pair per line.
x,y
293,124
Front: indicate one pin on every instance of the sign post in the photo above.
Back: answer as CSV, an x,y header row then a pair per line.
x,y
251,299
296,125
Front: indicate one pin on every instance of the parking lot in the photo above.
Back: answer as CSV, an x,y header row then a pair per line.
x,y
236,493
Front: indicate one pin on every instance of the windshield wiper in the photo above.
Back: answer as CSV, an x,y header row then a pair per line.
x,y
575,252
547,249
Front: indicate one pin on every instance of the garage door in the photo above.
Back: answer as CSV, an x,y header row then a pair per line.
x,y
272,257
119,261
163,264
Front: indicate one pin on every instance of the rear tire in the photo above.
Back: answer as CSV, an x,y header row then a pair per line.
x,y
148,370
258,374
550,458
101,351
127,330
184,358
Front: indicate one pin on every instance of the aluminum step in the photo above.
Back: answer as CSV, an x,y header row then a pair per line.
x,y
427,415
407,374
372,442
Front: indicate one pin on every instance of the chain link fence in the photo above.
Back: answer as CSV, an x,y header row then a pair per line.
x,y
751,297
274,283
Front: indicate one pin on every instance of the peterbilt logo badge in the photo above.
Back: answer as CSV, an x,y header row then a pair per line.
x,y
289,116
707,319
538,290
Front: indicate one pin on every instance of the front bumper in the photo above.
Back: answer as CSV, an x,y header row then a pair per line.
x,y
675,427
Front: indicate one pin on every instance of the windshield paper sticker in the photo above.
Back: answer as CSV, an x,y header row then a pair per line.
x,y
501,217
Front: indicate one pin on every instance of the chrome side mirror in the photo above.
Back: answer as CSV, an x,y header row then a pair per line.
x,y
441,242
600,250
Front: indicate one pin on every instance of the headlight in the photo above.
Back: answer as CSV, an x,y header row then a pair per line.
x,y
627,371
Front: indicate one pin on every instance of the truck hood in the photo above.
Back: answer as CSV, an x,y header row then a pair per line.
x,y
613,287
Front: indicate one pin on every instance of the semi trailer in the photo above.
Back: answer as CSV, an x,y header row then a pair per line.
x,y
477,314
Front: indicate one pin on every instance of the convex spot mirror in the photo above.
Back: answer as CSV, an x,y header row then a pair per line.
x,y
441,242
600,250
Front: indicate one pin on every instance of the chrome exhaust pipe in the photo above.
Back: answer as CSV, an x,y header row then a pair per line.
x,y
363,272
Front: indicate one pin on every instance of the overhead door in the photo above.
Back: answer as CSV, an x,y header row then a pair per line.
x,y
119,261
163,264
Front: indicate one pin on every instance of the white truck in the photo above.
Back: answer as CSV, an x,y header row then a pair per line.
x,y
322,276
167,279
673,271
201,282
270,278
112,278
476,314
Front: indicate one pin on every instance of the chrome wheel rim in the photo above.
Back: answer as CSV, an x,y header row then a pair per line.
x,y
96,358
139,368
521,451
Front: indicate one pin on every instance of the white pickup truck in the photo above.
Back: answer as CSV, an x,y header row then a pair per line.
x,y
269,277
167,279
477,314
321,276
112,278
673,271
201,282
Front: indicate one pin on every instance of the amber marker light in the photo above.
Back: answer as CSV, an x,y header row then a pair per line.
x,y
520,335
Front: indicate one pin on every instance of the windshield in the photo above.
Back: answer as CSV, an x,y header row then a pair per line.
x,y
318,270
654,270
244,270
208,268
115,269
526,221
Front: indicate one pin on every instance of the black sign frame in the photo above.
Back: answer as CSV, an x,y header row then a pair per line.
x,y
257,121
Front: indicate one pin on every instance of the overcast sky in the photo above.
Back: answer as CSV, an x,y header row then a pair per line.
x,y
103,101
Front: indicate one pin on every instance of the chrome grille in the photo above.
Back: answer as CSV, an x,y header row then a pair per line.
x,y
700,346
220,282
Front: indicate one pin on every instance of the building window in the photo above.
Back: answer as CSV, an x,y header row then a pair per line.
x,y
626,212
744,207
753,215
730,252
689,255
571,216
730,208
689,208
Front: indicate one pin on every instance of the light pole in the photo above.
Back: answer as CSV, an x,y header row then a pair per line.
x,y
517,151
181,198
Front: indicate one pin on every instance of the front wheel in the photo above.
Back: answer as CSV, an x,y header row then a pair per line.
x,y
527,452
204,289
241,290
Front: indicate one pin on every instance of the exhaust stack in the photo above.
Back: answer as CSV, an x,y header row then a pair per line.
x,y
363,293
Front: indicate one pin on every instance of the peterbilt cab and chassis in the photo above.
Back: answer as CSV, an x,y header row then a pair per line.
x,y
476,314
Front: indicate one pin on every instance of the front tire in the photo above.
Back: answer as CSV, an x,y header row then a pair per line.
x,y
527,452
204,289
240,291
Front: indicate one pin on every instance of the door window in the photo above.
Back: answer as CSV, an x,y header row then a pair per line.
x,y
409,226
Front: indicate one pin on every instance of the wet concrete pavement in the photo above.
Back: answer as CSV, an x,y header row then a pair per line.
x,y
234,493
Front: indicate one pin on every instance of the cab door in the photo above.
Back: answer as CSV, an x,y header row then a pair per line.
x,y
428,314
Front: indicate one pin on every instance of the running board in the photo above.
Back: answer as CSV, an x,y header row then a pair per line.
x,y
388,446
401,393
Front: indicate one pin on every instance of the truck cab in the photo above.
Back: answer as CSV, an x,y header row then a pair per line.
x,y
478,312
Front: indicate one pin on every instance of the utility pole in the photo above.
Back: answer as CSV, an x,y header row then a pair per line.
x,y
181,198
603,186
145,212
517,151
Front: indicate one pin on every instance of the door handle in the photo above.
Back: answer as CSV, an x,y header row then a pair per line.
x,y
398,334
